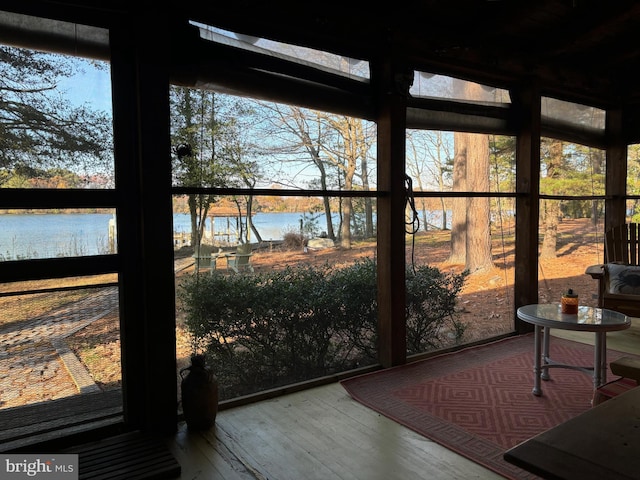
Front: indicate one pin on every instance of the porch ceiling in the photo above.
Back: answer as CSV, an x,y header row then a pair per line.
x,y
576,49
581,48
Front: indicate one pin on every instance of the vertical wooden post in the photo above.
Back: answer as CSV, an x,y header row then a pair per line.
x,y
391,92
143,179
526,105
615,210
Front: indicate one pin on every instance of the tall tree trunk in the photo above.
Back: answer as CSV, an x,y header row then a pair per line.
x,y
551,213
458,253
328,217
326,202
368,206
551,208
193,213
250,226
598,166
345,232
350,133
479,212
471,219
444,214
423,212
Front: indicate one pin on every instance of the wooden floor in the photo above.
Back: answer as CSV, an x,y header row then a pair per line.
x,y
317,434
323,434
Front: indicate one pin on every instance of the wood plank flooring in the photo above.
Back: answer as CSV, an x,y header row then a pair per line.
x,y
322,433
627,341
316,434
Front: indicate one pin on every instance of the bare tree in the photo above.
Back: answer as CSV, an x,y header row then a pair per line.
x,y
311,134
243,170
428,154
332,143
209,151
194,147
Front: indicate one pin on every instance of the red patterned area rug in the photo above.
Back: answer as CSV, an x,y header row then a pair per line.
x,y
478,401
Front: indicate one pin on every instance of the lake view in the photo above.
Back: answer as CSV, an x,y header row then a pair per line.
x,y
24,236
78,234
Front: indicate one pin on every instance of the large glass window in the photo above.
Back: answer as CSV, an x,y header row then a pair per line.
x,y
470,235
578,115
350,67
427,85
59,332
295,188
60,339
57,125
633,176
571,219
54,233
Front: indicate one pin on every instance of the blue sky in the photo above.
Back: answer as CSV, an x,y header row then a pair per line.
x,y
92,86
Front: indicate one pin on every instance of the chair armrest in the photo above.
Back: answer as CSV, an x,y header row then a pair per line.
x,y
626,367
596,271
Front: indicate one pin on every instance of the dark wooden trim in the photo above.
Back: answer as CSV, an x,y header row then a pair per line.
x,y
391,120
204,64
141,115
295,387
616,171
456,121
99,14
456,194
46,198
39,423
131,306
275,192
18,293
129,456
155,362
527,104
37,269
590,137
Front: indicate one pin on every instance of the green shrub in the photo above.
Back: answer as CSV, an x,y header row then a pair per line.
x,y
430,306
281,327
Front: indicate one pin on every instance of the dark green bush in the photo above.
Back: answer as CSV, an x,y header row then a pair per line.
x,y
430,304
277,328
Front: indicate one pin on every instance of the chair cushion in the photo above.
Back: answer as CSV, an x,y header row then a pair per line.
x,y
623,279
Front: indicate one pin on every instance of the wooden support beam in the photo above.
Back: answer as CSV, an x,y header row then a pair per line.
x,y
526,102
616,170
391,120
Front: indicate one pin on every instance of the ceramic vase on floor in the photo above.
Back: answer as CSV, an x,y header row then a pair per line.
x,y
199,394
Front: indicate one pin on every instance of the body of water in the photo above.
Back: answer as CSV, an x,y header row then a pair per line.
x,y
52,235
25,236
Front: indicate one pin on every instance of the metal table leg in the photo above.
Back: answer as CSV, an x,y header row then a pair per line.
x,y
545,354
537,337
600,360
